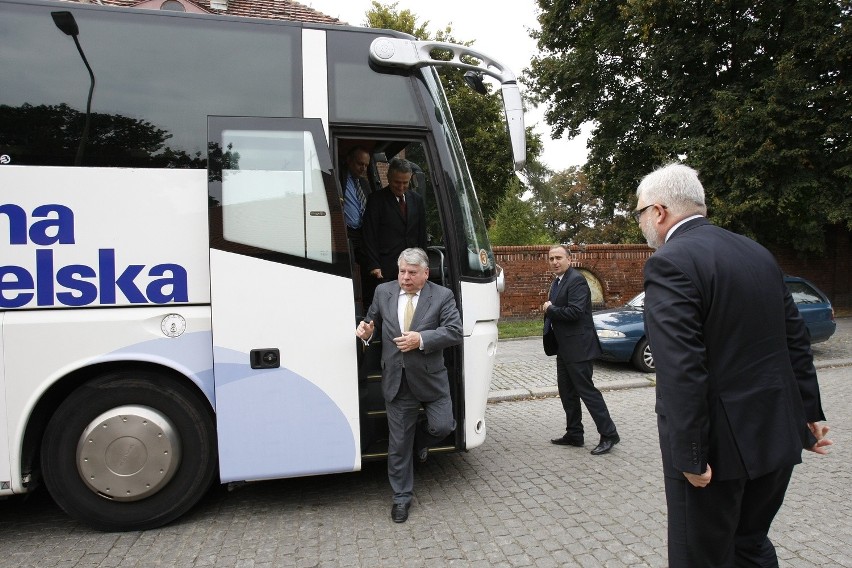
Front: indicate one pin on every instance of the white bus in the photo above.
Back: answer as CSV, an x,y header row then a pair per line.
x,y
178,295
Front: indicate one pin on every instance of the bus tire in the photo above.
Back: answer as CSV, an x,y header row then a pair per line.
x,y
129,450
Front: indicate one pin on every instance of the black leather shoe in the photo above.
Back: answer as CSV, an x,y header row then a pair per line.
x,y
399,512
567,440
605,445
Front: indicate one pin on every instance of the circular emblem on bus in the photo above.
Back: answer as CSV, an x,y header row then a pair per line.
x,y
173,325
383,48
483,258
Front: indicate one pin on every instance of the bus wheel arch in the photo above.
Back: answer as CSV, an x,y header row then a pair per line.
x,y
143,412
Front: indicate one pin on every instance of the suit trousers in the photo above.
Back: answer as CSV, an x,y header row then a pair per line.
x,y
725,524
575,384
404,427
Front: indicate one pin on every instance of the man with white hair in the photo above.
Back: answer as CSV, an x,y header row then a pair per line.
x,y
418,320
737,392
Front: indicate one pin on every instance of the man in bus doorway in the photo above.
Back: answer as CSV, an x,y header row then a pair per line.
x,y
355,192
417,320
355,189
394,220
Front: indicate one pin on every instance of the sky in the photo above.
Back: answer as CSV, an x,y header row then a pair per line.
x,y
502,33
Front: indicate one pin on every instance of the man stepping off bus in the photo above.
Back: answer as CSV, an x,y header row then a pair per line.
x,y
418,320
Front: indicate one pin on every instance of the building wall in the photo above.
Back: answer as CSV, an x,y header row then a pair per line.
x,y
832,273
617,270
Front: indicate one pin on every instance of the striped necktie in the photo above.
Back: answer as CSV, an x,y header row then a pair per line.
x,y
359,192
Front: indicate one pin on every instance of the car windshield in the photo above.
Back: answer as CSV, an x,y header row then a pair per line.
x,y
638,302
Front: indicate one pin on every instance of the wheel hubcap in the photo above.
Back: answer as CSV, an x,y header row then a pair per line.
x,y
648,357
128,453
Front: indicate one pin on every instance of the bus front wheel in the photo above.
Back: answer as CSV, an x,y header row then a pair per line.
x,y
129,450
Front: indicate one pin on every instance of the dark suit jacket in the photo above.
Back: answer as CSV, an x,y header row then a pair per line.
x,y
439,324
572,333
386,233
736,383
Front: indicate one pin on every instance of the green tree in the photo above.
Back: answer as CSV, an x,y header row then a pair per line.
x,y
571,213
478,118
517,222
753,95
387,17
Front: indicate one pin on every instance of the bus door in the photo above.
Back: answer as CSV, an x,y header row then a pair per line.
x,y
414,149
284,345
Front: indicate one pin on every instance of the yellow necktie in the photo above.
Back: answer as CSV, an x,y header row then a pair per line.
x,y
408,314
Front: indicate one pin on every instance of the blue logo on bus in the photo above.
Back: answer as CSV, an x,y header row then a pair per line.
x,y
51,225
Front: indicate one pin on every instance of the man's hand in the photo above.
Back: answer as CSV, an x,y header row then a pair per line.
x,y
408,341
377,273
365,330
702,480
545,305
819,431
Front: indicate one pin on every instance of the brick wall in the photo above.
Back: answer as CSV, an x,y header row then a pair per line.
x,y
615,272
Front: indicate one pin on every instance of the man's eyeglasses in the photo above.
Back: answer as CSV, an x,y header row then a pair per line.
x,y
638,213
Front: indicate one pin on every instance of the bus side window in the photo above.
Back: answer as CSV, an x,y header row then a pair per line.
x,y
270,191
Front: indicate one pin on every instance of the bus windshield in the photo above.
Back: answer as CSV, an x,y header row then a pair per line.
x,y
474,245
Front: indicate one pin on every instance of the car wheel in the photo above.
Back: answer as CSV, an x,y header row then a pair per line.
x,y
642,357
130,450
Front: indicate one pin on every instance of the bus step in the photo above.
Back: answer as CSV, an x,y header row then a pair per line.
x,y
383,412
375,453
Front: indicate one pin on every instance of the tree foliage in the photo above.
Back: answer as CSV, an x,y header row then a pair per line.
x,y
571,213
478,118
386,16
517,222
754,95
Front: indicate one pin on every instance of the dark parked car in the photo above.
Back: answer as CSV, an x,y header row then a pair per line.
x,y
814,306
622,334
622,330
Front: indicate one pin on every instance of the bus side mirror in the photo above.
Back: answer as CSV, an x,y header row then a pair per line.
x,y
514,109
473,80
66,23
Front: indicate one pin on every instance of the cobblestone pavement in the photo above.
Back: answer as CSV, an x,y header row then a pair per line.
x,y
516,501
523,370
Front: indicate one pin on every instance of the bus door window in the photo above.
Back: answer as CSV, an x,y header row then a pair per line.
x,y
272,193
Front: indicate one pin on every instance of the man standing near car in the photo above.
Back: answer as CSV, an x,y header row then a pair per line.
x,y
569,333
737,393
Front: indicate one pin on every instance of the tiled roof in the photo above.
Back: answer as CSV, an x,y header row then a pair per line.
x,y
271,9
